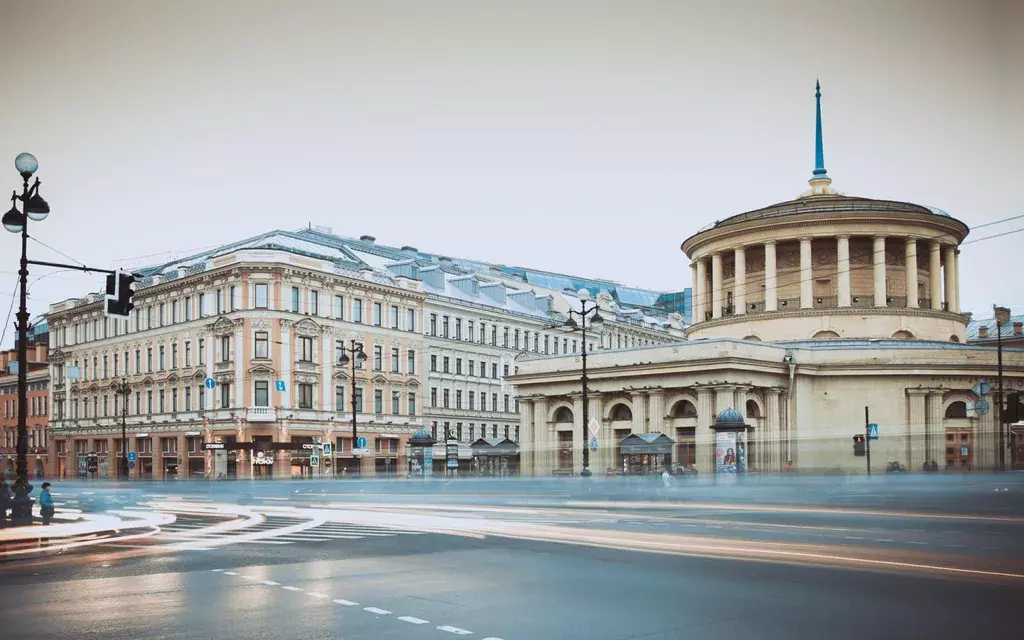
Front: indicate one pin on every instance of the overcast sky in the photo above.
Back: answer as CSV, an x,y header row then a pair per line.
x,y
584,137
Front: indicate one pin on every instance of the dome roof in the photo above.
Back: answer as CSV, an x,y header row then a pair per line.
x,y
421,434
826,205
729,416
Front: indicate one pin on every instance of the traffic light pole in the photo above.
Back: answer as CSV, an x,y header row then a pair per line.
x,y
867,439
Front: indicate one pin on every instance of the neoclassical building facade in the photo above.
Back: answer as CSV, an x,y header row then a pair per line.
x,y
808,315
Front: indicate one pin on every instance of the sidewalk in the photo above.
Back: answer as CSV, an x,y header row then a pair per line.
x,y
72,528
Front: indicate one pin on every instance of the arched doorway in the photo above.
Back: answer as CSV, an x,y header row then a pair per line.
x,y
564,453
959,446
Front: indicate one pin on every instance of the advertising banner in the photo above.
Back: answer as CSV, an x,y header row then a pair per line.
x,y
725,452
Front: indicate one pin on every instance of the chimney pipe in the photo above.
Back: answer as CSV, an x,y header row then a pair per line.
x,y
1018,328
982,331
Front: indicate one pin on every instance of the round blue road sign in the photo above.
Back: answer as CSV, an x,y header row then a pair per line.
x,y
361,442
210,383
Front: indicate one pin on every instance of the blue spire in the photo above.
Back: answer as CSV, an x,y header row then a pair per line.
x,y
819,150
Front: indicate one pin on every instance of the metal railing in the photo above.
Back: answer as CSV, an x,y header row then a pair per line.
x,y
826,302
786,304
896,302
862,302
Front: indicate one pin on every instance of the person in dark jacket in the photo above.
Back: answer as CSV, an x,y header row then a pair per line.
x,y
5,502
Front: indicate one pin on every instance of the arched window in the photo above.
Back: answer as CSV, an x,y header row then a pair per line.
x,y
753,338
825,335
621,412
684,409
752,410
902,335
954,338
564,414
957,410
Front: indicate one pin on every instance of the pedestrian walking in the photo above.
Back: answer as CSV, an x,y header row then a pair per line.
x,y
5,502
46,503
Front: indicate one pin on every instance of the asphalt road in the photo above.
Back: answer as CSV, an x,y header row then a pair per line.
x,y
913,557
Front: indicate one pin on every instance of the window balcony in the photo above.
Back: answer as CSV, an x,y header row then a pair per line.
x,y
786,304
862,302
756,307
261,414
306,366
223,366
825,302
896,302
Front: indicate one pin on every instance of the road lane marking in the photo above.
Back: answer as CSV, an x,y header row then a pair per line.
x,y
380,612
216,570
291,588
915,542
230,573
884,540
347,603
457,631
317,594
413,620
271,583
853,537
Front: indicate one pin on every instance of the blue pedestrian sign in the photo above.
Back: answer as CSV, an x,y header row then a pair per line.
x,y
328,449
279,385
593,444
131,456
872,431
315,461
210,383
360,442
983,388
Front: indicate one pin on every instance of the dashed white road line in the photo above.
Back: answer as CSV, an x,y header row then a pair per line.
x,y
884,540
457,631
346,603
380,612
270,583
413,620
216,570
317,594
915,542
291,588
853,537
231,573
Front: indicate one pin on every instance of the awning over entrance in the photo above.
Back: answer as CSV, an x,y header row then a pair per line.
x,y
649,443
494,447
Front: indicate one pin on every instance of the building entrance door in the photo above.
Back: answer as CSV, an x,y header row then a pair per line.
x,y
959,449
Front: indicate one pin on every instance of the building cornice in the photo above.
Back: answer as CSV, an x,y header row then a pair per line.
x,y
829,311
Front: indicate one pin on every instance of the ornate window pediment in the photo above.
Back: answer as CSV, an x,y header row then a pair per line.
x,y
223,326
57,355
261,372
307,378
307,327
147,381
200,374
379,379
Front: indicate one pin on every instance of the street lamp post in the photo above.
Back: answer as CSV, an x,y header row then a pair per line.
x,y
588,309
125,390
358,355
1002,315
33,208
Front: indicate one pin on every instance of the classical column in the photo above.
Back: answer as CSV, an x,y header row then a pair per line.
x,y
771,423
740,283
699,293
910,268
771,297
935,433
639,401
578,441
705,437
716,285
526,438
695,289
949,273
878,255
806,276
915,445
656,412
935,274
541,465
956,281
113,459
239,356
602,458
210,397
843,269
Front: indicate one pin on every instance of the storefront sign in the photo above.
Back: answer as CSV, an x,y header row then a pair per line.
x,y
393,436
141,435
261,458
646,448
307,446
213,445
193,433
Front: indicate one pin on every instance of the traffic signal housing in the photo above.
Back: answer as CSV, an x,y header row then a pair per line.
x,y
119,295
1013,411
858,445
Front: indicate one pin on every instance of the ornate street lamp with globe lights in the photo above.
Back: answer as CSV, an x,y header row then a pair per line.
x,y
587,315
357,359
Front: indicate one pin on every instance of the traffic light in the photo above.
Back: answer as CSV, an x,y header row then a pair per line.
x,y
119,295
1013,411
858,445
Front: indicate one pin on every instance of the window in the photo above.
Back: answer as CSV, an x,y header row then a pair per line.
x,y
483,369
505,370
359,347
202,351
494,370
262,296
339,398
546,338
378,401
138,402
149,402
472,398
494,335
433,363
339,350
174,355
220,301
195,445
202,398
458,328
261,389
472,367
555,346
202,305
444,396
359,400
339,307
411,365
515,342
412,404
444,326
174,400
376,314
574,346
469,330
262,345
225,396
232,292
295,299
410,319
305,395
115,365
188,308
517,406
458,366
507,407
188,398
394,317
357,310
433,396
445,364
433,324
536,342
378,359
188,353
149,317
483,401
306,349
494,404
458,398
105,366
225,349
314,302
149,362
483,332
394,359
517,433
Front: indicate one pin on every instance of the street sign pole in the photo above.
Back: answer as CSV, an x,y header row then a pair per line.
x,y
867,439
